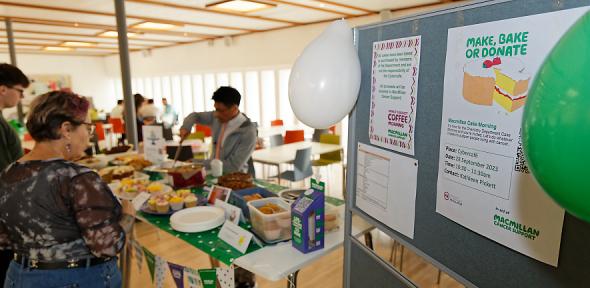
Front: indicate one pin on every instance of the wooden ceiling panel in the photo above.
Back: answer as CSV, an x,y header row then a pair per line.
x,y
337,8
96,5
155,8
294,13
63,37
29,50
29,40
378,5
56,15
210,31
47,28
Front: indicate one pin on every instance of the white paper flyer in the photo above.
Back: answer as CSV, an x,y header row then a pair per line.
x,y
483,181
394,90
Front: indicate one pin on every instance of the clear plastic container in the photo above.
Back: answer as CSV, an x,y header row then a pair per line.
x,y
271,227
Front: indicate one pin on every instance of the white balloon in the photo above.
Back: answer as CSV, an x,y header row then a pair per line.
x,y
325,80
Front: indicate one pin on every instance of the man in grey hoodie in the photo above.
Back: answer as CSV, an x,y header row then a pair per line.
x,y
234,140
234,135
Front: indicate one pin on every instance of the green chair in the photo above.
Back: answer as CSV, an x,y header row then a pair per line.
x,y
201,136
331,157
197,135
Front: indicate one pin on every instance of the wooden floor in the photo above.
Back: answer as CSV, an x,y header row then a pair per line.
x,y
327,272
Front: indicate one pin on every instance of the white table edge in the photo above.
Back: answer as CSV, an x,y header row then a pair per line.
x,y
245,260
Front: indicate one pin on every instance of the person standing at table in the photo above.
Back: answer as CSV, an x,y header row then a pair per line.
x,y
62,221
234,135
12,84
139,103
169,115
117,112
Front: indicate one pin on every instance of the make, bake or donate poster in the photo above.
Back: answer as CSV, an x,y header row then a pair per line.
x,y
483,181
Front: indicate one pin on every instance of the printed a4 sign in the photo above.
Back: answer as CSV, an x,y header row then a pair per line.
x,y
394,93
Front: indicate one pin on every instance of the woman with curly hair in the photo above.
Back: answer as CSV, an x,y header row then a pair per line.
x,y
62,221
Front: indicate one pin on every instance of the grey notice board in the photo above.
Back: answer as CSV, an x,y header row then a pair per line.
x,y
467,256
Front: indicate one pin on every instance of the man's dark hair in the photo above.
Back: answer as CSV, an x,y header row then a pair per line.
x,y
227,95
138,99
150,101
119,102
10,76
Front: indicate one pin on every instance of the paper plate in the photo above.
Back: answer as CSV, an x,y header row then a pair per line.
x,y
197,219
290,195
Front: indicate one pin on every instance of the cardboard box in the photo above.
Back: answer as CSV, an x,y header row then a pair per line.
x,y
307,219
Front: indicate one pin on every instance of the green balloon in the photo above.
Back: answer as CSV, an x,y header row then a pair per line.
x,y
556,122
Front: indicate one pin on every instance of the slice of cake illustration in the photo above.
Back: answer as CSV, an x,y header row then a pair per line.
x,y
512,85
500,79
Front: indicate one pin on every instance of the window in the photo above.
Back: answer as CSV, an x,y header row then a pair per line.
x,y
139,87
285,111
166,90
187,95
198,98
210,87
157,89
222,79
177,95
252,96
269,98
148,90
236,80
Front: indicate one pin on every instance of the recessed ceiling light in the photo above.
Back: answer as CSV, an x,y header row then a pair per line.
x,y
57,48
155,26
114,34
322,5
78,44
242,6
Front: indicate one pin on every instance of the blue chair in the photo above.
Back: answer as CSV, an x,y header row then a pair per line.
x,y
301,167
276,140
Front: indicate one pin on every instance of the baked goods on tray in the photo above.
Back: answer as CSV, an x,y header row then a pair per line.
x,y
236,181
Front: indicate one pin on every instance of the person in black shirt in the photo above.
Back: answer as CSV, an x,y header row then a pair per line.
x,y
12,84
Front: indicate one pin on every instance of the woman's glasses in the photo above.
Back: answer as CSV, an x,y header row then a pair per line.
x,y
90,127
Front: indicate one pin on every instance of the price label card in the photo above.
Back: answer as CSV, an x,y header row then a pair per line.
x,y
140,199
235,236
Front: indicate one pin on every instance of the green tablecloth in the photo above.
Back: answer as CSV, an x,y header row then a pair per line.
x,y
208,241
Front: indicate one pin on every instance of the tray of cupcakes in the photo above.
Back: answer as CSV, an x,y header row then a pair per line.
x,y
168,203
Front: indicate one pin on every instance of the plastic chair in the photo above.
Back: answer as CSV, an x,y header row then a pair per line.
x,y
277,122
330,157
203,128
197,135
332,129
292,136
301,167
276,140
99,131
118,127
317,133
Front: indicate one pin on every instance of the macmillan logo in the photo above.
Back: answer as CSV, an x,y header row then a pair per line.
x,y
450,197
513,226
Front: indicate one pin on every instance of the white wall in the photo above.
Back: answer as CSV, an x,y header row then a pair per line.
x,y
88,74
